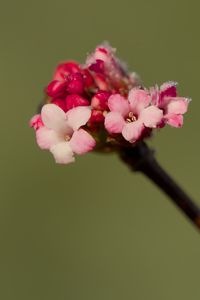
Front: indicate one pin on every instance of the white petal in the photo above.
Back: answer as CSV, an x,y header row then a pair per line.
x,y
133,131
82,142
46,138
117,103
138,99
178,105
63,153
174,120
151,116
54,118
78,116
114,122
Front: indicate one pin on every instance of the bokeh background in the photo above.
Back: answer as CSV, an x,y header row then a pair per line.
x,y
93,230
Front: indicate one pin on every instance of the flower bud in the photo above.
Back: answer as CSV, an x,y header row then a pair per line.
x,y
101,82
88,79
97,67
61,103
96,117
36,122
100,100
56,88
75,83
74,101
66,68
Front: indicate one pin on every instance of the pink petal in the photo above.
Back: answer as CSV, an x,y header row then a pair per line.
x,y
114,122
151,116
82,142
78,116
133,131
174,120
46,138
117,103
154,92
178,106
139,99
54,117
167,91
63,153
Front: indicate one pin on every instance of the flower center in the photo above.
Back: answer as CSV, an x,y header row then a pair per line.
x,y
130,118
67,138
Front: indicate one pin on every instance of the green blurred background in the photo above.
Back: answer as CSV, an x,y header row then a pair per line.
x,y
92,230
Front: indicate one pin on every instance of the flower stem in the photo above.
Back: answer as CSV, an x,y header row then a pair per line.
x,y
141,158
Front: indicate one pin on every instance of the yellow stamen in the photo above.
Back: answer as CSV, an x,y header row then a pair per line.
x,y
131,117
67,138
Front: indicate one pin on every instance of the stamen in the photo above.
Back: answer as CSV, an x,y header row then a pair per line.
x,y
67,138
131,118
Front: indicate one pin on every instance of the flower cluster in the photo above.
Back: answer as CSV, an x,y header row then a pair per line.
x,y
102,106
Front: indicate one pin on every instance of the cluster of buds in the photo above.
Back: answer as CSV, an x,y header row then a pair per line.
x,y
101,106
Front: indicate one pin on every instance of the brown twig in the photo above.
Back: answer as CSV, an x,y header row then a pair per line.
x,y
141,158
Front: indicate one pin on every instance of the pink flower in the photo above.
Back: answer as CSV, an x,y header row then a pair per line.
x,y
62,133
102,98
173,106
130,117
